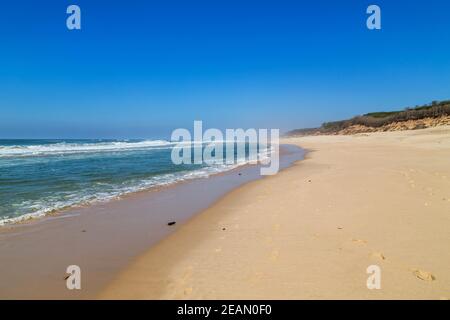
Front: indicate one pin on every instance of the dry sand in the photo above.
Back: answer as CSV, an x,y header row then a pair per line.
x,y
311,231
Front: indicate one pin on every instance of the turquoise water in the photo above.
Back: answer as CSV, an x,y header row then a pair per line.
x,y
41,176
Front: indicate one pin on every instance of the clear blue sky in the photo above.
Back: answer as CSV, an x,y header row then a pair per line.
x,y
143,68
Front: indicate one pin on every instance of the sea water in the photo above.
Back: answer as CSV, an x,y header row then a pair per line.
x,y
38,177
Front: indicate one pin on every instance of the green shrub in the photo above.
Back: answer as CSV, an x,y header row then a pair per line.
x,y
379,119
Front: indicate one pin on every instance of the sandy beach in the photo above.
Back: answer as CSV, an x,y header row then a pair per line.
x,y
311,231
102,238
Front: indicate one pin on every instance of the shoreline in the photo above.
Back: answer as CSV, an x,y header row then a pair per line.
x,y
311,231
104,237
8,223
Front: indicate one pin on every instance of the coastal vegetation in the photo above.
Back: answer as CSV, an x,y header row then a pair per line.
x,y
410,118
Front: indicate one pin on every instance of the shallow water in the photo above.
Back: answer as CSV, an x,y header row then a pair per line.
x,y
42,176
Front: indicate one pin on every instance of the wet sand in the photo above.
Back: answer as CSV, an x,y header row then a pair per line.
x,y
103,238
311,231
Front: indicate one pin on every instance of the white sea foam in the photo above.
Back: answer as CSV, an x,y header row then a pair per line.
x,y
89,196
62,148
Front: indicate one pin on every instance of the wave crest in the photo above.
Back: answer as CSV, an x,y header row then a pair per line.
x,y
62,148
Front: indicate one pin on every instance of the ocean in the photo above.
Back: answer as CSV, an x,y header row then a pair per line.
x,y
38,177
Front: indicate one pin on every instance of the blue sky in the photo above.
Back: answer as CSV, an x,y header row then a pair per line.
x,y
139,69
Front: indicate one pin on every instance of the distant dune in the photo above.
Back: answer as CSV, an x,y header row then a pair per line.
x,y
420,117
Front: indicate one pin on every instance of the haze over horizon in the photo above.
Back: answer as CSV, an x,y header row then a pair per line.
x,y
140,70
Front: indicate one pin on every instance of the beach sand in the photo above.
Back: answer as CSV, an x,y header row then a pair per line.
x,y
103,238
311,231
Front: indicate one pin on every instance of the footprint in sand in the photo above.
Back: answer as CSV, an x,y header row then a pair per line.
x,y
411,182
378,255
274,255
269,240
359,241
423,275
187,274
256,276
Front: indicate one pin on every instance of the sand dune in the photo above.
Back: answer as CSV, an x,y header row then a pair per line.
x,y
311,231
